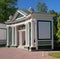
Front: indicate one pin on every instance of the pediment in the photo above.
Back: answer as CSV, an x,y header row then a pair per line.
x,y
18,14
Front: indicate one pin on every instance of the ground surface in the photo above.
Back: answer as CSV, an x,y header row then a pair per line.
x,y
17,53
55,54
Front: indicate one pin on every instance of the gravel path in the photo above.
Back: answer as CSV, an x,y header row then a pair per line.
x,y
17,53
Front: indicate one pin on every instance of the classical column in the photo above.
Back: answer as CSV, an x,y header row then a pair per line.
x,y
20,38
7,36
32,34
36,43
13,36
26,34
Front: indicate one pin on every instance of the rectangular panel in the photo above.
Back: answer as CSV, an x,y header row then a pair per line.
x,y
44,30
2,34
44,43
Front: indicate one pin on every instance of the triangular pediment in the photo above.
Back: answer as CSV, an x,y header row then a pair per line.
x,y
19,14
22,12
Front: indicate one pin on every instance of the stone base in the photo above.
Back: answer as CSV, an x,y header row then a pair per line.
x,y
33,48
30,48
27,47
12,46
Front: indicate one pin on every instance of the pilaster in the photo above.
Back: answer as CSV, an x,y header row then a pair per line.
x,y
32,34
7,36
13,37
26,34
52,36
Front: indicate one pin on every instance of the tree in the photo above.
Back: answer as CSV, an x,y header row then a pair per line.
x,y
52,12
54,23
7,8
58,26
58,14
41,7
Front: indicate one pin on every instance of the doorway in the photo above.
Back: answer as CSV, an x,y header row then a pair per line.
x,y
21,37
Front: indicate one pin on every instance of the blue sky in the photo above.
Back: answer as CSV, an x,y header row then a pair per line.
x,y
51,4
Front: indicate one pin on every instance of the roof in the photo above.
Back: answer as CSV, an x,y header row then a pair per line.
x,y
22,16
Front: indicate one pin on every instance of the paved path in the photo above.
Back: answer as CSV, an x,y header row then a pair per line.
x,y
17,53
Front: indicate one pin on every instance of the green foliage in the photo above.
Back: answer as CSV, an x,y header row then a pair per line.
x,y
55,54
52,12
58,14
7,8
41,7
58,26
54,23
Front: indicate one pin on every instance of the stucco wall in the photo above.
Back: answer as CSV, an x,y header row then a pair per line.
x,y
3,33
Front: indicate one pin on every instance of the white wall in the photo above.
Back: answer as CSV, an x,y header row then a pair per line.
x,y
2,34
2,25
2,31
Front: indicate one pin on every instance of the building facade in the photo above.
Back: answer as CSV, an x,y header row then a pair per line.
x,y
3,33
30,31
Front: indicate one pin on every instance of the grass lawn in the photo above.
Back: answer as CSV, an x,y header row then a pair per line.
x,y
55,54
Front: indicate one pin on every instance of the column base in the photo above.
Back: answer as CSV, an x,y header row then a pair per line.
x,y
30,48
27,47
13,46
33,48
7,45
